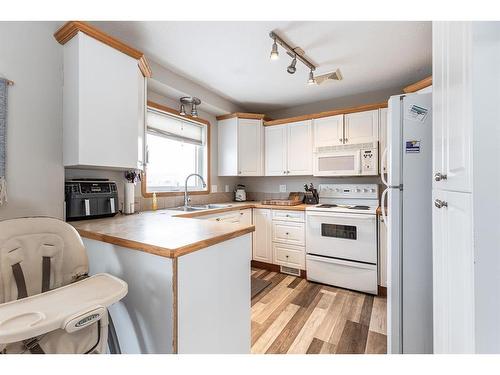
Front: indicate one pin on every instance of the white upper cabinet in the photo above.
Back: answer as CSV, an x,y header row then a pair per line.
x,y
361,127
329,131
103,106
452,124
250,147
299,148
289,149
240,147
276,150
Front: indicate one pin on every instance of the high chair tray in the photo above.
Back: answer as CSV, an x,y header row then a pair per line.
x,y
70,307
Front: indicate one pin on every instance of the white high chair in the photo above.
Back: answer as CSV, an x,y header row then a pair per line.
x,y
48,303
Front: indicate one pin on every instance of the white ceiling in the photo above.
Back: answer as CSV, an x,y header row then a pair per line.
x,y
232,58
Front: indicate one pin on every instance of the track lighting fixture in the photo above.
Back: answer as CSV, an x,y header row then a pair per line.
x,y
274,51
295,53
311,80
291,68
189,100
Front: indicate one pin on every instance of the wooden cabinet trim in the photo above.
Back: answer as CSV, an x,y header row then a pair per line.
x,y
312,116
422,84
244,115
71,28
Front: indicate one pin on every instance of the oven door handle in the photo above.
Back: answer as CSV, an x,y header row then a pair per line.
x,y
342,216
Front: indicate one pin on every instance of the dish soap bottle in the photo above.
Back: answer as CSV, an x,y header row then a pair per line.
x,y
154,204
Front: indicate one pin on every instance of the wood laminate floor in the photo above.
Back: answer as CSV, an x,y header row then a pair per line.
x,y
295,316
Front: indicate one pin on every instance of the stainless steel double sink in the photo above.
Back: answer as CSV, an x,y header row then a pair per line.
x,y
200,207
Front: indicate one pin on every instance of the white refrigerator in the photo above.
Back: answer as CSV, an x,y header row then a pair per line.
x,y
408,196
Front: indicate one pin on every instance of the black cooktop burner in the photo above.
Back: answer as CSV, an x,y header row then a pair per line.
x,y
360,208
327,205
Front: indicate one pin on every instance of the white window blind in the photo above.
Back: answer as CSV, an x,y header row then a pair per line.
x,y
172,127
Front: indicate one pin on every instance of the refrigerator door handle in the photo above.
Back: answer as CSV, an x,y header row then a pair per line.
x,y
382,205
382,159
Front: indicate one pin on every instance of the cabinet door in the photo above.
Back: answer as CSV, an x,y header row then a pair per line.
x,y
452,102
101,96
299,148
276,150
141,121
250,134
227,137
262,235
246,216
328,131
382,139
453,273
361,127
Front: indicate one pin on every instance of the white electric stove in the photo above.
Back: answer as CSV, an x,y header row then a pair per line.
x,y
341,237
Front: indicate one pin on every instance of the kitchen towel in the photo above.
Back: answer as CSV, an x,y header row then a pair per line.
x,y
3,139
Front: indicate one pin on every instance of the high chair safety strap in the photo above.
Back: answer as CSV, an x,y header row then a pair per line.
x,y
20,282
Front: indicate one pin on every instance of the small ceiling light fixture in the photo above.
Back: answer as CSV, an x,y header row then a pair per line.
x,y
291,68
274,51
311,80
185,100
182,112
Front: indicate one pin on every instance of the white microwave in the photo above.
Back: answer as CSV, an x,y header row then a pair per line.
x,y
346,160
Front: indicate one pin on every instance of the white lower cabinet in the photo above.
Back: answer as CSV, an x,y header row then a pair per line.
x,y
453,278
289,255
289,233
262,251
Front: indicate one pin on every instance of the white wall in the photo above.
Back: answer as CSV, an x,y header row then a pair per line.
x,y
31,57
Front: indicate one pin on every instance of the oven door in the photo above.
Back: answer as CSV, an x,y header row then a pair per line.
x,y
339,163
342,236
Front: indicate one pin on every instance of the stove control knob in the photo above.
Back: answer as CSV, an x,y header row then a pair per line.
x,y
365,190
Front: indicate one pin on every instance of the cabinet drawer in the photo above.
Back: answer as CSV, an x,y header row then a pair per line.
x,y
288,215
289,255
232,217
289,232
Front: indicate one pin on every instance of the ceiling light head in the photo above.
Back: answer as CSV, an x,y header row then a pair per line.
x,y
182,112
194,111
274,51
311,80
291,68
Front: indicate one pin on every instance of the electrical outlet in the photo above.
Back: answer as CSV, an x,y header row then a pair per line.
x,y
282,188
227,188
214,188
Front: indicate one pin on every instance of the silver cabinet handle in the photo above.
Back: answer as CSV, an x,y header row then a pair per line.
x,y
439,176
440,204
340,140
287,172
218,219
284,172
239,172
87,207
287,233
346,140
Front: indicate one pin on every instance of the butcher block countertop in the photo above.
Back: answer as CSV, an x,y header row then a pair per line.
x,y
169,233
159,232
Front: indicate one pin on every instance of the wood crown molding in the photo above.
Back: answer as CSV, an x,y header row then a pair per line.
x,y
250,116
422,84
343,111
71,28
